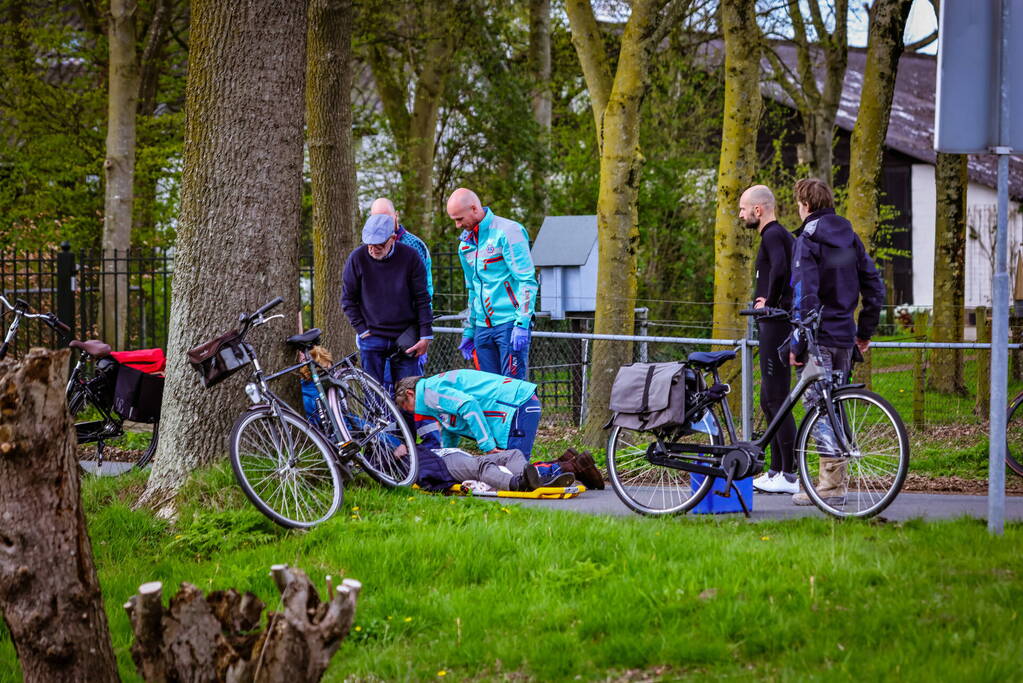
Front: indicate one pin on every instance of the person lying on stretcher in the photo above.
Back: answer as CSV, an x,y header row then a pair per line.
x,y
500,470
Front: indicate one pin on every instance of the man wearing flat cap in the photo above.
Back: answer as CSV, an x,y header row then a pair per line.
x,y
386,300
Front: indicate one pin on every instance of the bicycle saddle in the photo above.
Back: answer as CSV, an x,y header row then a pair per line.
x,y
708,360
93,347
306,340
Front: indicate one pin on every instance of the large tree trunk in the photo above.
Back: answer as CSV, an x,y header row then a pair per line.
x,y
149,77
49,594
946,372
238,235
732,242
331,162
620,165
119,166
884,47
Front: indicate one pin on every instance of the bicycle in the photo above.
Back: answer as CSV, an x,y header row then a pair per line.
x,y
90,395
654,478
291,470
1014,436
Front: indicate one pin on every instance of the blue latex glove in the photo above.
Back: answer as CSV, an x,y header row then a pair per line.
x,y
519,338
467,347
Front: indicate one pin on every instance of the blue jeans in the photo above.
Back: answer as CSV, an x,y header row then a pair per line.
x,y
494,352
376,353
525,422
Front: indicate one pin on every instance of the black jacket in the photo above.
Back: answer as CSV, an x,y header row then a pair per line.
x,y
774,260
832,270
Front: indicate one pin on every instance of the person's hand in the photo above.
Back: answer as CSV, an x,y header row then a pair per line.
x,y
519,338
467,347
419,348
792,359
862,344
493,450
401,451
760,302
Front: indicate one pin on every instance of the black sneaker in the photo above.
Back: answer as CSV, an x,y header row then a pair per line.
x,y
560,481
530,479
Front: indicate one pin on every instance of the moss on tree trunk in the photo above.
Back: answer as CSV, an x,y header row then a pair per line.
x,y
946,373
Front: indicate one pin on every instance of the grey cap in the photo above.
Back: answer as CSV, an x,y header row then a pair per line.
x,y
378,229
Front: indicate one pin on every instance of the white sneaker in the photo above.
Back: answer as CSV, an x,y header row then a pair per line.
x,y
765,483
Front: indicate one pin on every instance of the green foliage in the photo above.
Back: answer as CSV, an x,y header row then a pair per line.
x,y
203,535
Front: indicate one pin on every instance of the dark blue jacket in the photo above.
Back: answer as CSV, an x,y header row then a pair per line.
x,y
385,297
832,270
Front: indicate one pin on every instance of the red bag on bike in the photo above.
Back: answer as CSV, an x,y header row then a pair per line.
x,y
145,360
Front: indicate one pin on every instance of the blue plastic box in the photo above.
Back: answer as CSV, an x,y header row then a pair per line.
x,y
713,504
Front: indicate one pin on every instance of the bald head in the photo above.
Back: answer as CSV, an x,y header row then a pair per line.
x,y
382,205
757,207
464,209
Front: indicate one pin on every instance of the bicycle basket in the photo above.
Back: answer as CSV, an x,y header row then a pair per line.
x,y
138,395
219,358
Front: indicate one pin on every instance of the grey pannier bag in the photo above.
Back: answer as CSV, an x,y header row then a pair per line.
x,y
646,396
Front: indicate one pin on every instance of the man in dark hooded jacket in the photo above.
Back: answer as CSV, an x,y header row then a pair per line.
x,y
831,271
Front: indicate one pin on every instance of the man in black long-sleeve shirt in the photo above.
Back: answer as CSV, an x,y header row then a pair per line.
x,y
385,295
757,210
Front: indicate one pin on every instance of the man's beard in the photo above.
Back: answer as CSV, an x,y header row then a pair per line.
x,y
753,224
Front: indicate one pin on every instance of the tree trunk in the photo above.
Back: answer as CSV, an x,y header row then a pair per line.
x,y
149,77
733,243
540,69
217,638
119,166
620,167
884,47
331,162
49,594
950,180
238,235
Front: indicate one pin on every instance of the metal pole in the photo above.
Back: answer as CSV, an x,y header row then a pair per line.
x,y
747,382
644,329
1000,300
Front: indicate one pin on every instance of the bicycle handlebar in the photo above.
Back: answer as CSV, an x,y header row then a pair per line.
x,y
266,307
21,306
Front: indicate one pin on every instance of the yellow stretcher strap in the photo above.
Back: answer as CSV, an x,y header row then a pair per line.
x,y
548,492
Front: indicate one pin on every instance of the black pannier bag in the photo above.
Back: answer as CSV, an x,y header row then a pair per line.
x,y
648,396
219,358
138,395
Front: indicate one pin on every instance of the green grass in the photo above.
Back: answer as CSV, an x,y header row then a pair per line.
x,y
481,590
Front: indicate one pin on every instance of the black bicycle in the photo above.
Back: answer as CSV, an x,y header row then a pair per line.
x,y
92,390
293,470
850,434
1014,436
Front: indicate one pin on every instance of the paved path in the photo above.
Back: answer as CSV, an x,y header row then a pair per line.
x,y
906,506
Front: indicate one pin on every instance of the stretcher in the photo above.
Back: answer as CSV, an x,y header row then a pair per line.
x,y
545,492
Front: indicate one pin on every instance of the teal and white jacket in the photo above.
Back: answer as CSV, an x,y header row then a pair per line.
x,y
499,273
471,403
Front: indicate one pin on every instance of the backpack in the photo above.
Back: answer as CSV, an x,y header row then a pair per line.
x,y
648,396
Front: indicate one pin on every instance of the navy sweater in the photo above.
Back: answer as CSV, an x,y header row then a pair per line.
x,y
387,296
832,270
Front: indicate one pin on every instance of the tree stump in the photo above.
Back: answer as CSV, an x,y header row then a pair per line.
x,y
217,638
49,593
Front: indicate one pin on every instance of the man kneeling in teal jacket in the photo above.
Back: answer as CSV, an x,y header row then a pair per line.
x,y
497,412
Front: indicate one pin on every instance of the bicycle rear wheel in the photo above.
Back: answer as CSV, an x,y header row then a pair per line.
x,y
1014,436
377,426
285,467
871,475
651,489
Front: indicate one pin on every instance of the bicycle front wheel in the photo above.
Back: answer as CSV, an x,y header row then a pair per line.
x,y
377,426
1014,435
652,489
285,467
864,481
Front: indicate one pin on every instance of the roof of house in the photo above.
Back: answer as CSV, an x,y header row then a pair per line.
x,y
565,240
911,125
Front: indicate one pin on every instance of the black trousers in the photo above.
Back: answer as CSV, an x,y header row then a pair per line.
x,y
775,378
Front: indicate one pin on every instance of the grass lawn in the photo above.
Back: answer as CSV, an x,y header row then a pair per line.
x,y
467,589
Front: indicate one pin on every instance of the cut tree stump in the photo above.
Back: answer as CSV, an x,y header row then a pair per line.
x,y
49,593
217,638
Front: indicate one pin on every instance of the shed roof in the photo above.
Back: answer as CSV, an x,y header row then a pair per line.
x,y
565,240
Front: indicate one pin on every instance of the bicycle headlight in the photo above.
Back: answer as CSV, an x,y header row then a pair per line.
x,y
255,395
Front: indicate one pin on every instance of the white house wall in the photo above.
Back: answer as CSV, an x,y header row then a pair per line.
x,y
981,202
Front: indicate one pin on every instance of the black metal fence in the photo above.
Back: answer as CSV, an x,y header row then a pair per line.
x,y
72,284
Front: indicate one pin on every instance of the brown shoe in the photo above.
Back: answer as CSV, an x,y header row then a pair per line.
x,y
585,470
569,454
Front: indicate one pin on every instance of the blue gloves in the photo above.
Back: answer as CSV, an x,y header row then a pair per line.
x,y
519,338
467,347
